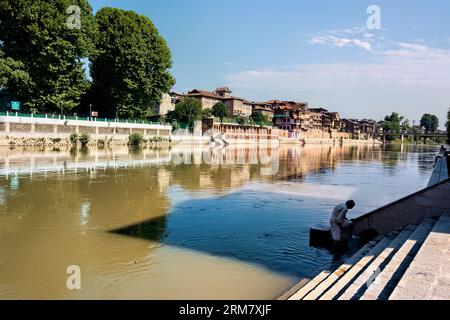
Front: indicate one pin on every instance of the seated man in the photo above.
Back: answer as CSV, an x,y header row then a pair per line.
x,y
340,226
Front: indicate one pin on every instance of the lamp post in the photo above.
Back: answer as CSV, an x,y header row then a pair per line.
x,y
90,111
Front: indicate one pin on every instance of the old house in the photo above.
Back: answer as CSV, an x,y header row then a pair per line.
x,y
292,117
236,106
264,108
368,129
351,126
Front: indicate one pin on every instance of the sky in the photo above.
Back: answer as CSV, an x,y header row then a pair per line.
x,y
321,52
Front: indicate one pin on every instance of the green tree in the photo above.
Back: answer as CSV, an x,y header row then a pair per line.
x,y
258,116
405,126
12,72
448,126
188,111
130,67
392,125
429,122
220,110
207,114
45,52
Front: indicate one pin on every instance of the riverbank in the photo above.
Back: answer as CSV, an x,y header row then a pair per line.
x,y
56,131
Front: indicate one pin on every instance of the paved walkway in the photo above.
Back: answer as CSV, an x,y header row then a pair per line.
x,y
440,172
428,276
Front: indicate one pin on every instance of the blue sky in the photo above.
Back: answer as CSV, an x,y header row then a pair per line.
x,y
316,51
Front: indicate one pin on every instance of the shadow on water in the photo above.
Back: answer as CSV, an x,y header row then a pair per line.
x,y
262,235
153,229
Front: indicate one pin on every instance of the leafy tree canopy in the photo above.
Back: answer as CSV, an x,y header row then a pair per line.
x,y
11,72
258,116
430,123
43,55
188,111
220,111
392,123
130,66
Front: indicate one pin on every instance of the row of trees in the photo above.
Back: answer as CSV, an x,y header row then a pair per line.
x,y
43,58
396,124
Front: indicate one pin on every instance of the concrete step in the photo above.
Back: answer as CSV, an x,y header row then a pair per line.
x,y
365,279
311,285
428,275
387,280
332,292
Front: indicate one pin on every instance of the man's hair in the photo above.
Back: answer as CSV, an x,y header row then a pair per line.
x,y
350,204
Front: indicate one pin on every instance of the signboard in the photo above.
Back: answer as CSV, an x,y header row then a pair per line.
x,y
94,114
15,105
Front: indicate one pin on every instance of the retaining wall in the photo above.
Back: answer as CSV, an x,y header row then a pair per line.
x,y
19,130
430,202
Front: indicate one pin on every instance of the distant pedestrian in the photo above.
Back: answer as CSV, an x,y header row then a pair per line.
x,y
340,225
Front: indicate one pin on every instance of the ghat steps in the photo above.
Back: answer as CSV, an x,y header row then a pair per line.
x,y
411,263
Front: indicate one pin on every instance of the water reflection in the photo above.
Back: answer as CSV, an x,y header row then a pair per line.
x,y
236,231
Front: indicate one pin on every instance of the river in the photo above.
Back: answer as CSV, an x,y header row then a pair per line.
x,y
186,222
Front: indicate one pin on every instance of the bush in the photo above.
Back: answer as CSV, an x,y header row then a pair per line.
x,y
101,143
135,139
74,138
84,139
175,125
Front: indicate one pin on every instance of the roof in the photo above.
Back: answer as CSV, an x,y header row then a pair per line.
x,y
204,93
318,110
209,94
223,89
350,120
260,108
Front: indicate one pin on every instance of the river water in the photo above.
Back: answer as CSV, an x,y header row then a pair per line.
x,y
187,222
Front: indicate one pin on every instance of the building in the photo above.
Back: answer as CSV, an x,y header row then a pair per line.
x,y
167,104
368,129
336,123
291,116
351,126
207,99
264,108
236,105
316,122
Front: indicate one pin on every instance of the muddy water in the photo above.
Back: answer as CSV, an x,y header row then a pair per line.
x,y
185,223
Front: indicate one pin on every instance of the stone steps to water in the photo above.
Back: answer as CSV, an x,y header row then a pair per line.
x,y
312,285
356,263
370,273
359,267
428,275
388,279
391,267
